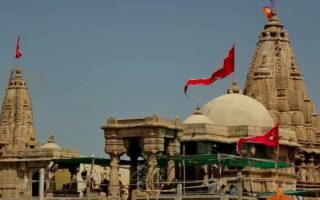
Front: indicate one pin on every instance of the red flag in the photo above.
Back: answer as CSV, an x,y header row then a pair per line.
x,y
271,139
267,12
18,52
228,68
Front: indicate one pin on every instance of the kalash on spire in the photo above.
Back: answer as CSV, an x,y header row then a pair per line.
x,y
275,80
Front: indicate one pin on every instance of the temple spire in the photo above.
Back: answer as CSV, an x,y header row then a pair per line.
x,y
275,80
17,131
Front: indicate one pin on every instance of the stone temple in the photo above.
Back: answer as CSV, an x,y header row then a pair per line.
x,y
21,153
274,92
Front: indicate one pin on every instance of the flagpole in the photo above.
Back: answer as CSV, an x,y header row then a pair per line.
x,y
234,68
277,161
184,167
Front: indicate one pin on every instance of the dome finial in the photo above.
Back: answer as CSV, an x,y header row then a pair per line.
x,y
234,88
51,138
198,110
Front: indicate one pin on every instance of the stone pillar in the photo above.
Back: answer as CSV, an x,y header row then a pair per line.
x,y
239,185
114,186
171,172
205,174
41,184
115,148
152,172
173,149
311,170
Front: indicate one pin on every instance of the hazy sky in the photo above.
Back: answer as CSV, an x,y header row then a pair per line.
x,y
85,61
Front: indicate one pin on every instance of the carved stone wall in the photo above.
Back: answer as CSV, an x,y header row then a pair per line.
x,y
275,80
20,152
17,130
147,136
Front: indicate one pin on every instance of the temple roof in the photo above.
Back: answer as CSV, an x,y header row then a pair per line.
x,y
237,109
17,130
197,118
51,144
275,80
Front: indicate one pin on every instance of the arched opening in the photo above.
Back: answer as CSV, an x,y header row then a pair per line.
x,y
35,184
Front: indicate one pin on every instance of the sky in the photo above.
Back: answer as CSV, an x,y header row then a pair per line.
x,y
85,61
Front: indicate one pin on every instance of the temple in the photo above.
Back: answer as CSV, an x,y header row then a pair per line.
x,y
275,80
159,148
21,153
275,92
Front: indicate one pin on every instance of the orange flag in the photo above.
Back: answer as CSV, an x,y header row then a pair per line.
x,y
279,196
267,12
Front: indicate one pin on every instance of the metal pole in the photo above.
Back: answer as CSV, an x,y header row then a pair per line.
x,y
184,169
277,160
88,191
89,180
179,191
41,184
239,185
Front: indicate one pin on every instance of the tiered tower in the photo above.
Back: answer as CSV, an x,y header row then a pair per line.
x,y
276,81
17,130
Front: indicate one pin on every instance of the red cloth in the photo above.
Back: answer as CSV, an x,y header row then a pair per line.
x,y
267,12
18,52
271,139
228,68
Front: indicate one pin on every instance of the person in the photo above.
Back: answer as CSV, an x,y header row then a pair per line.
x,y
233,190
212,187
223,189
104,185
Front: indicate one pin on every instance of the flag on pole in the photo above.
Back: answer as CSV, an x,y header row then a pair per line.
x,y
228,68
267,12
19,53
268,9
271,139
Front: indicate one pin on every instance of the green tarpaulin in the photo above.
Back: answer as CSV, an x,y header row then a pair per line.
x,y
304,193
224,160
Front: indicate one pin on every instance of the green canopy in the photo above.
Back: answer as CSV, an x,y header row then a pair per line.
x,y
222,159
266,194
303,193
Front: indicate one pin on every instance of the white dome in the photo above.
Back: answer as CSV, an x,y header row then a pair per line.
x,y
237,109
50,146
197,119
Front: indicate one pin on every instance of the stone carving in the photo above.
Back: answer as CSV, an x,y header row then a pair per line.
x,y
285,88
18,139
152,133
16,117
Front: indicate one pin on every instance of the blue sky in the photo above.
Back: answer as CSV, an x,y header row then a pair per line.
x,y
85,61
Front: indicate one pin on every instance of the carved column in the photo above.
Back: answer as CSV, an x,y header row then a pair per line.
x,y
153,144
171,172
205,174
173,149
153,172
114,187
115,148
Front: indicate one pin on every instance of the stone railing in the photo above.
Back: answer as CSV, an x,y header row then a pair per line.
x,y
51,153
